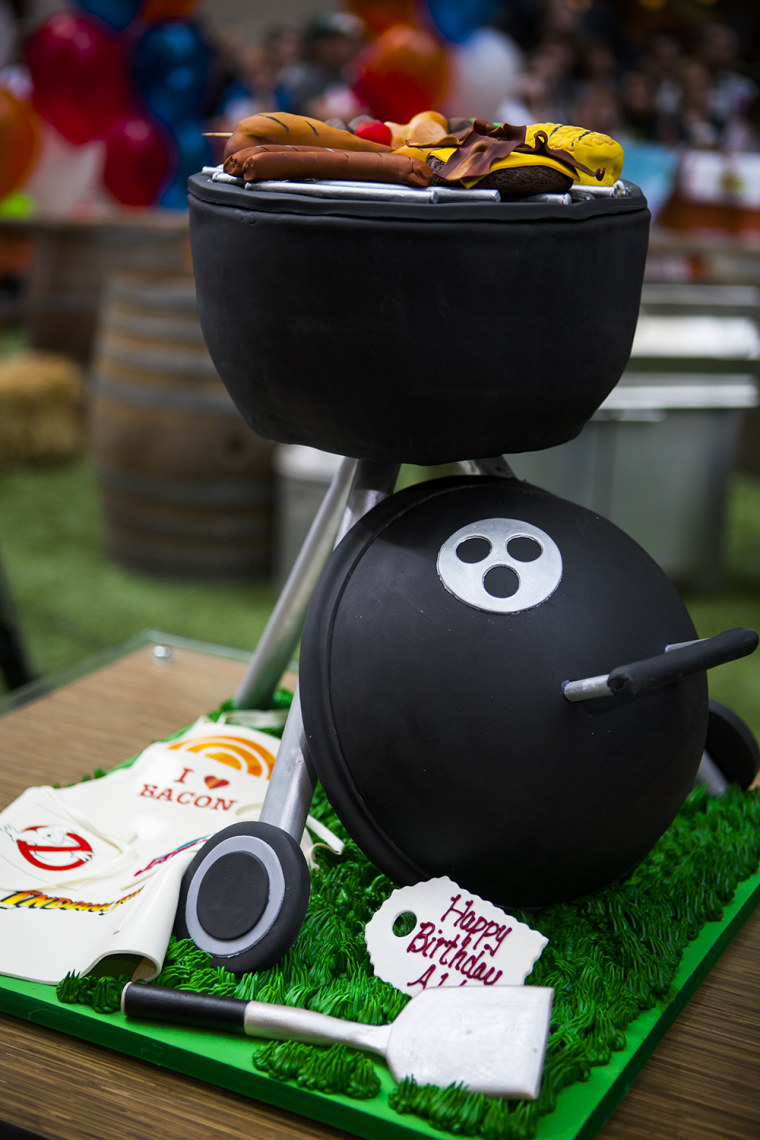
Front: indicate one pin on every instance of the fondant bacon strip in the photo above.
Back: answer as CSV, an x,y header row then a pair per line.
x,y
259,163
484,144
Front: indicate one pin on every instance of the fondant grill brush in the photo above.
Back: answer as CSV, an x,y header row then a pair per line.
x,y
490,1038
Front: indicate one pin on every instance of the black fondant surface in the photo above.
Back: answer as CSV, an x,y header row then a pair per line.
x,y
233,895
416,332
440,731
732,745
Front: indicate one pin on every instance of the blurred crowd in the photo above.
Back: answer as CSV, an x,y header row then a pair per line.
x,y
690,89
692,94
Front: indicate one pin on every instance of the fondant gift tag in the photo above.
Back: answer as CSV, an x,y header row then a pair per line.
x,y
436,934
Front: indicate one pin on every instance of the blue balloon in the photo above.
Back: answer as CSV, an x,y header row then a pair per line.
x,y
193,152
117,14
170,66
458,19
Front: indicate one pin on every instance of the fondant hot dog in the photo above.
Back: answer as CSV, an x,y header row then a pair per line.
x,y
295,130
257,163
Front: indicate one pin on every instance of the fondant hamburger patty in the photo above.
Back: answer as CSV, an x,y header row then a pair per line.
x,y
512,182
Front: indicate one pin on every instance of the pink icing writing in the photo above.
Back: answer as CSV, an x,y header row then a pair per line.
x,y
461,952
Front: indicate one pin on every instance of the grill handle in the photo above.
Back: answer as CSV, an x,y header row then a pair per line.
x,y
676,662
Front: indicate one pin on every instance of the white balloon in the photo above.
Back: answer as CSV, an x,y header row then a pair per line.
x,y
16,79
66,178
485,69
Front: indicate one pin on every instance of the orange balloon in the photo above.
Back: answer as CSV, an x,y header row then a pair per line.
x,y
19,141
403,72
379,15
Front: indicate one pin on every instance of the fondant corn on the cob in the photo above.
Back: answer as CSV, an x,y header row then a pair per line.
x,y
594,150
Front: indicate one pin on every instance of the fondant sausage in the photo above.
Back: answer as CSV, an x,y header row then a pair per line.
x,y
258,163
234,163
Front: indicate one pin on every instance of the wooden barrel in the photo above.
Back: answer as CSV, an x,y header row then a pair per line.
x,y
73,260
186,486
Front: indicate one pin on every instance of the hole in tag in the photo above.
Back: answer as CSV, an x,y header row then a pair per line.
x,y
404,924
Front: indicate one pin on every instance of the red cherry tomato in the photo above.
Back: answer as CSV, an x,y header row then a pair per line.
x,y
375,131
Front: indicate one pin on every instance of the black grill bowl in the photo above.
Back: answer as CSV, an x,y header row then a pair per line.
x,y
416,332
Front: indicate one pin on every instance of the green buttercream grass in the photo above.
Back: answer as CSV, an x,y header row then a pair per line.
x,y
610,957
102,994
335,1069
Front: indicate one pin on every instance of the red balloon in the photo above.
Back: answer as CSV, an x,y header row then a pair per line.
x,y
19,141
79,76
139,161
403,72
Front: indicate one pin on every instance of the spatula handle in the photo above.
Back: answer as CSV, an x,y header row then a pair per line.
x,y
253,1018
289,1023
181,1007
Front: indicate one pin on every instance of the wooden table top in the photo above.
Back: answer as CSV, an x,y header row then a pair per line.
x,y
702,1082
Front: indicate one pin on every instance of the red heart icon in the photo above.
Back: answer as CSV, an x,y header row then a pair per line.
x,y
215,782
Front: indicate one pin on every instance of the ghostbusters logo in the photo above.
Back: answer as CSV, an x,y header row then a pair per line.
x,y
51,848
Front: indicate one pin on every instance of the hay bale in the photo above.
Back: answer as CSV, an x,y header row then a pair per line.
x,y
41,408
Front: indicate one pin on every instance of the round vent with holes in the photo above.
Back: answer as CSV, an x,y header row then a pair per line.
x,y
431,676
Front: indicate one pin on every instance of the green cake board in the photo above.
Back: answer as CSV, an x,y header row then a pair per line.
x,y
581,1108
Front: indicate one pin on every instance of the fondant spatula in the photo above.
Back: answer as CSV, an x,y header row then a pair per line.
x,y
490,1038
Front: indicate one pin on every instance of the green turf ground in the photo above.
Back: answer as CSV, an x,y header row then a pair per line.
x,y
74,601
